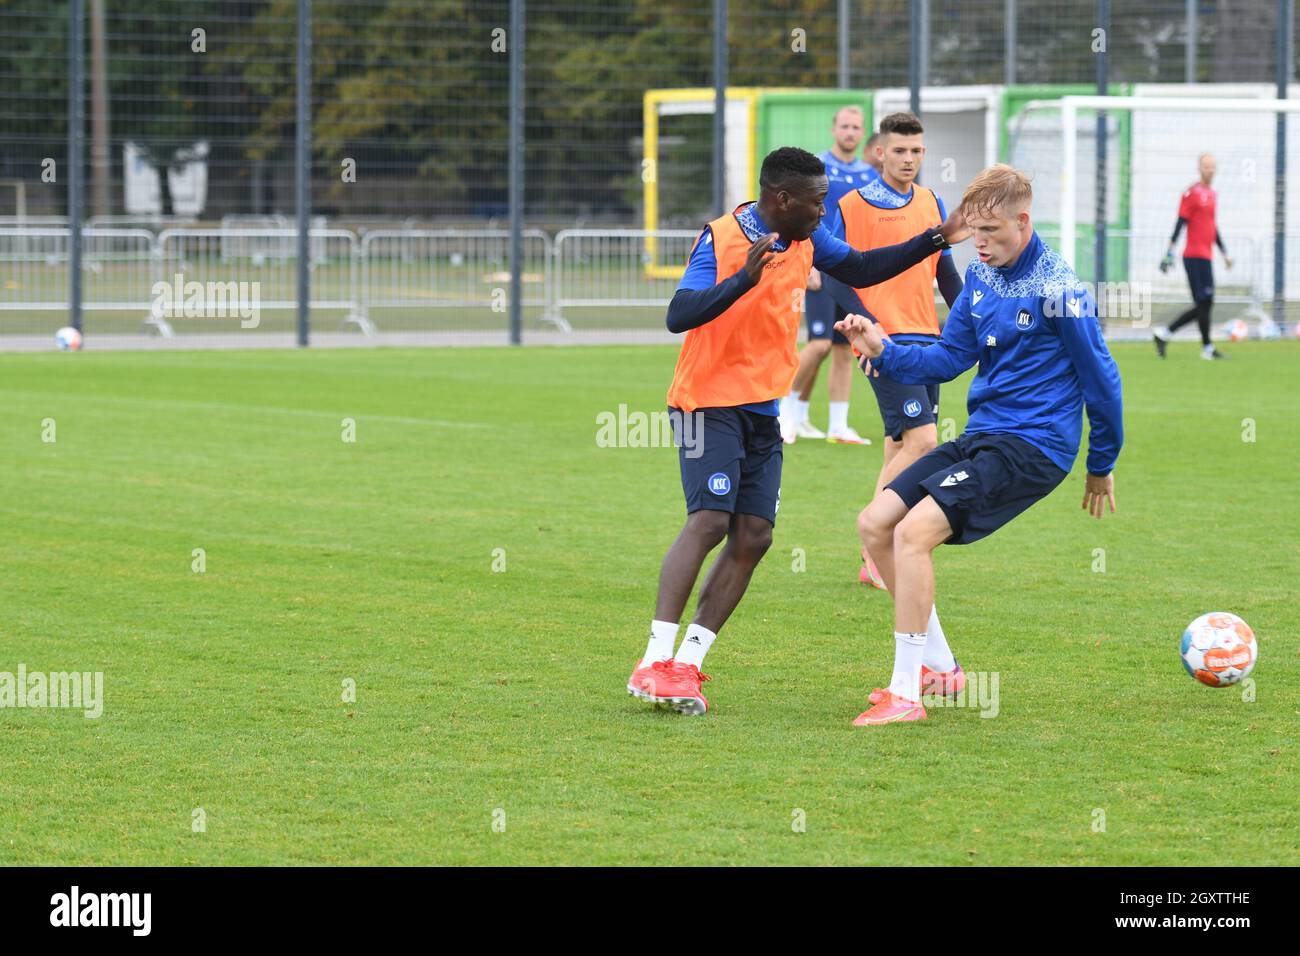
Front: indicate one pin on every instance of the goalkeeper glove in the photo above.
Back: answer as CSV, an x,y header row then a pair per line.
x,y
1167,262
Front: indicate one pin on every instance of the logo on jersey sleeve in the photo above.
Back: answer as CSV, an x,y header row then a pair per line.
x,y
719,483
911,408
976,296
1024,320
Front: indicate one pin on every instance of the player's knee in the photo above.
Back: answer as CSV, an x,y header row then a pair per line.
x,y
875,524
753,540
911,535
920,441
708,527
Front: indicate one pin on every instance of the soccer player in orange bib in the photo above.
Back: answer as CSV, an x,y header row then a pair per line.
x,y
879,214
739,304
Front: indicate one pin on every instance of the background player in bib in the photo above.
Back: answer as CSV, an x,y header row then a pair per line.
x,y
1197,211
879,214
844,173
738,304
1025,318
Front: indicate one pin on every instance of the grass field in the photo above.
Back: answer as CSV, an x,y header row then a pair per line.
x,y
489,696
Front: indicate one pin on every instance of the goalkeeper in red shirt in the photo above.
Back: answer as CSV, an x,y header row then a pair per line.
x,y
1196,212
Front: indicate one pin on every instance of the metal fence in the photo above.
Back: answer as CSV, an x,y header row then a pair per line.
x,y
190,281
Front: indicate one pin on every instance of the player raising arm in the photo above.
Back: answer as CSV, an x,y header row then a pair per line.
x,y
1024,317
739,305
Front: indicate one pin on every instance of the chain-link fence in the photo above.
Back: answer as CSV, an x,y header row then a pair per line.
x,y
190,134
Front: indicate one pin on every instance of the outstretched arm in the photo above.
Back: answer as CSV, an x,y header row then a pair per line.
x,y
1098,378
861,269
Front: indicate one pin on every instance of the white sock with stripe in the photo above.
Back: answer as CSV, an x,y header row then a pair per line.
x,y
908,651
663,635
695,645
938,656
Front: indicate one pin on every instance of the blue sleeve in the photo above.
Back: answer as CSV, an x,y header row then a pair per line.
x,y
943,216
828,249
950,284
702,269
943,361
834,223
1075,315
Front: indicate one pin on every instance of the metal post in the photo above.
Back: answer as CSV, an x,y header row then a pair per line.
x,y
1190,59
516,47
719,107
844,44
1099,229
914,78
1285,18
1009,42
302,172
76,154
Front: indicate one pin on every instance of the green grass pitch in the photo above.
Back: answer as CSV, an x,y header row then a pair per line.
x,y
490,723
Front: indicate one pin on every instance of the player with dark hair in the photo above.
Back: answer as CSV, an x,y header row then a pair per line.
x,y
1196,211
879,214
845,173
738,305
1032,327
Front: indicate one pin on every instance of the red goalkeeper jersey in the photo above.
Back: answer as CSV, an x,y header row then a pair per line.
x,y
1197,207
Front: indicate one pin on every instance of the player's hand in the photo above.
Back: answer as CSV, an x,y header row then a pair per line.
x,y
863,334
1227,261
815,281
1098,491
954,228
1167,262
759,257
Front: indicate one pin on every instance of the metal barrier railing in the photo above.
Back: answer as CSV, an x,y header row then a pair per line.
x,y
617,268
423,269
458,279
117,269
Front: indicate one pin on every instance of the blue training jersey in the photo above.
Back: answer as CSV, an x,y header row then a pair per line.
x,y
842,178
1042,360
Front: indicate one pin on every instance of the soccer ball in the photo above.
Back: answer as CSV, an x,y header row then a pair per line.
x,y
1238,330
1218,649
68,339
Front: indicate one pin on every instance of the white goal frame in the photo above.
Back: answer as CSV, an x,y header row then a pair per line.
x,y
1069,107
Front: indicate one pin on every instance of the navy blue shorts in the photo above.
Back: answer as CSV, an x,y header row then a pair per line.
x,y
903,407
738,466
822,312
980,481
1200,276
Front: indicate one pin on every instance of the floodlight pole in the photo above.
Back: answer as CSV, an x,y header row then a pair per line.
x,y
719,107
302,171
1285,15
1099,227
516,47
76,157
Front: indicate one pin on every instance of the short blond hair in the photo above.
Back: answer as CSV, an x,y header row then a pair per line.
x,y
999,186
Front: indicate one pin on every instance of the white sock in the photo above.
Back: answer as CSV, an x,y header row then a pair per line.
x,y
695,645
1207,349
788,409
908,651
839,417
1163,332
663,635
800,411
938,656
